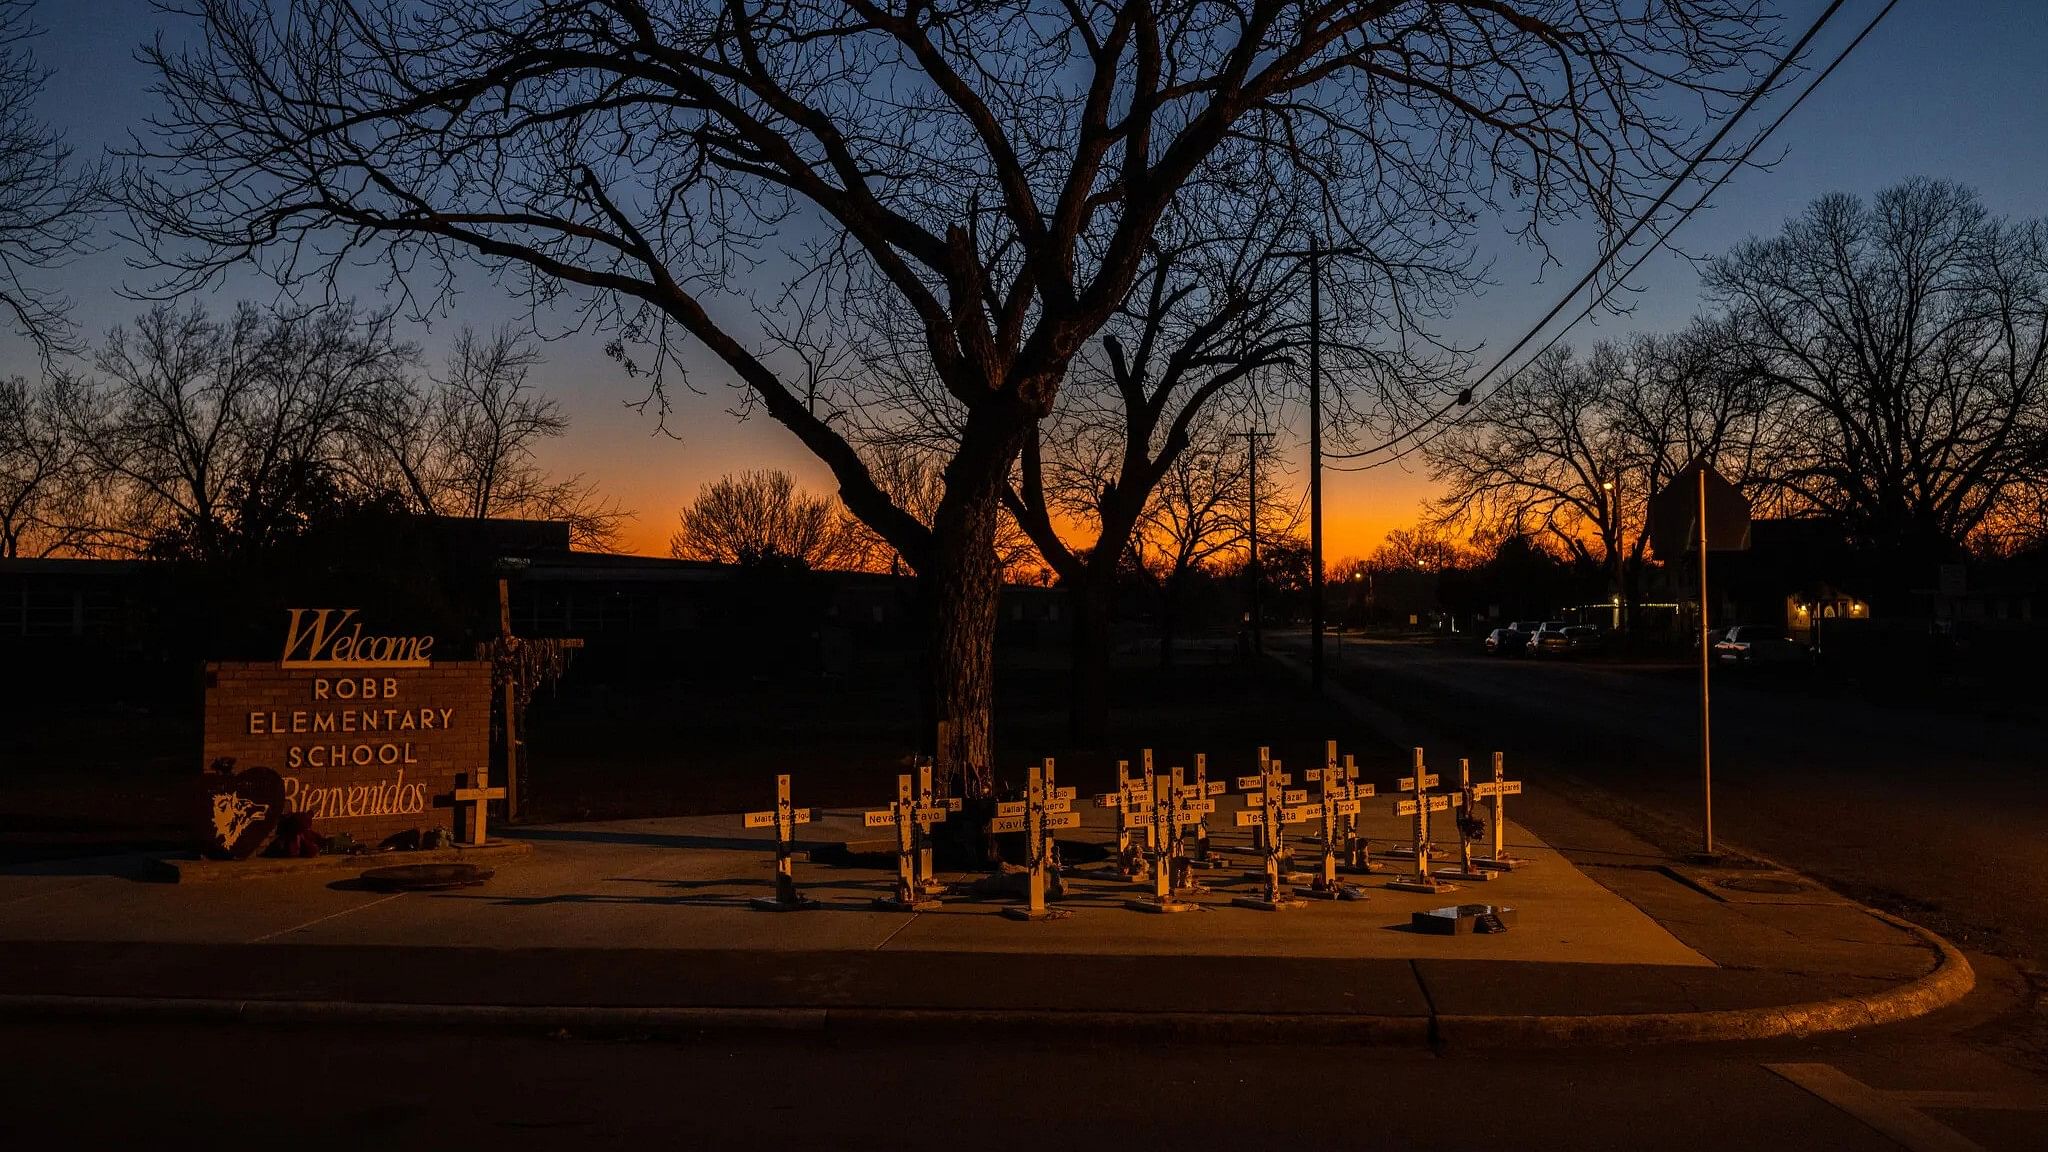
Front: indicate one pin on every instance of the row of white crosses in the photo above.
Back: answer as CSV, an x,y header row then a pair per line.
x,y
1423,802
1162,808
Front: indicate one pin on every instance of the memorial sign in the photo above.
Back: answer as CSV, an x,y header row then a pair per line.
x,y
367,732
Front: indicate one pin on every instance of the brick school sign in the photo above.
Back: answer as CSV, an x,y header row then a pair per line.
x,y
366,729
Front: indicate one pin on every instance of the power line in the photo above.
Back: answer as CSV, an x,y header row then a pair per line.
x,y
1467,395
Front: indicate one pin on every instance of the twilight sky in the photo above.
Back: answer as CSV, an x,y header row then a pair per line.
x,y
1946,88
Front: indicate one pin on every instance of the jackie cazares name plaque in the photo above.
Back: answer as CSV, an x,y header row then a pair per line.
x,y
367,730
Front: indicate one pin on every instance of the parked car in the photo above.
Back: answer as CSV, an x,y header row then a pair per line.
x,y
1576,640
1758,644
1548,638
1514,638
1506,641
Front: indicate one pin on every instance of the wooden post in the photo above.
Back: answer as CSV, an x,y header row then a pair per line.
x,y
1420,807
1499,789
783,818
1465,870
1706,700
470,803
511,693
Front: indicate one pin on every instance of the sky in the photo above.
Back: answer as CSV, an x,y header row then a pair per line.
x,y
1946,88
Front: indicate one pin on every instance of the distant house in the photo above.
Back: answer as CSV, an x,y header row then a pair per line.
x,y
1797,573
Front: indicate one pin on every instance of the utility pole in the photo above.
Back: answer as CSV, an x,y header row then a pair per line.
x,y
1251,453
1315,464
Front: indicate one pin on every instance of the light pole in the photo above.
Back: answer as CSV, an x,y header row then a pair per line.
x,y
1251,452
1614,544
1315,464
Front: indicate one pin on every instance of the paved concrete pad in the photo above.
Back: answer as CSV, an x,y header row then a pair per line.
x,y
684,883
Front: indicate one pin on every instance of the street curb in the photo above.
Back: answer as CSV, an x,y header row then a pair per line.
x,y
1949,981
617,1021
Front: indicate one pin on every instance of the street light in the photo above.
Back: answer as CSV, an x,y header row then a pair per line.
x,y
1614,546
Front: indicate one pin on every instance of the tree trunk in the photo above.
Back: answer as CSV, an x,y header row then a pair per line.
x,y
1091,600
964,583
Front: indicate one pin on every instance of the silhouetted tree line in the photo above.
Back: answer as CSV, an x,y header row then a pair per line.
x,y
1880,365
211,438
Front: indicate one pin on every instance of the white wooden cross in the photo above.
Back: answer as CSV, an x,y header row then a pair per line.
x,y
1272,816
1267,766
1166,819
1498,789
1420,807
783,818
1336,803
1192,803
1128,803
926,879
1145,777
476,797
1465,870
1204,789
1058,800
1357,851
906,815
1032,817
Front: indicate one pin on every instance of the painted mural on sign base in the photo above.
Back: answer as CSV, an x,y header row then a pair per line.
x,y
367,731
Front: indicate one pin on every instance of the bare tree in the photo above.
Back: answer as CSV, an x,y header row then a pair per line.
x,y
42,481
207,436
1911,334
46,200
1569,450
763,518
1427,547
1544,456
1192,519
465,445
987,177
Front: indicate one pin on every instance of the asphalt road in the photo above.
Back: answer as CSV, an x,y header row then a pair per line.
x,y
225,1086
1942,816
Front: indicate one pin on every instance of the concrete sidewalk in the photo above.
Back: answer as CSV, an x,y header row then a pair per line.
x,y
640,924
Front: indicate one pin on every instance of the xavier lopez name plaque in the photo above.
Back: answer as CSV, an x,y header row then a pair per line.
x,y
366,729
